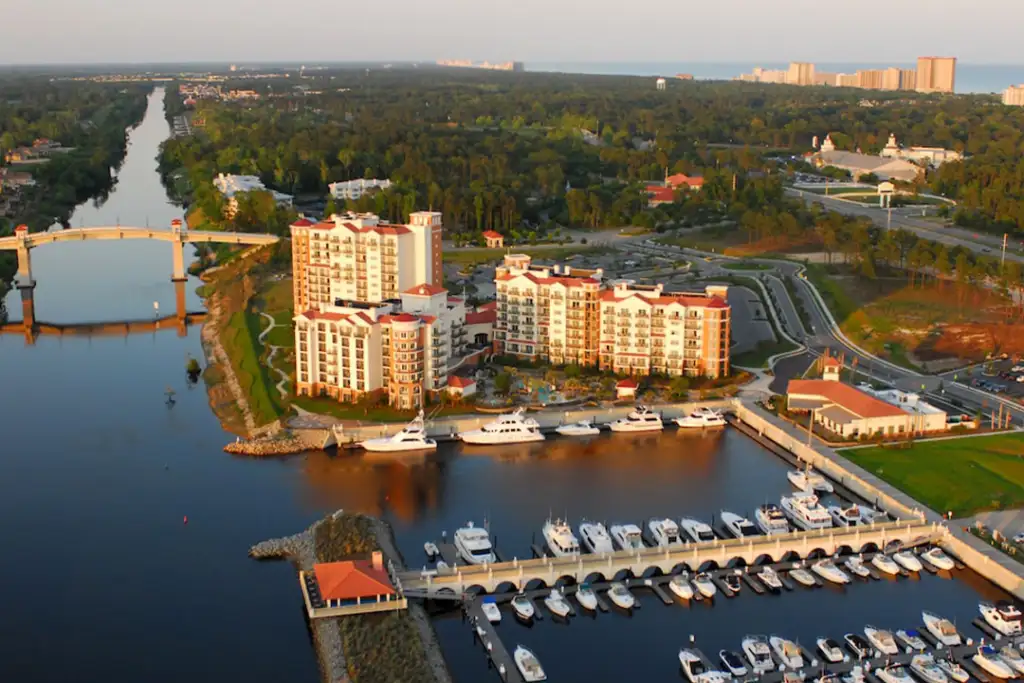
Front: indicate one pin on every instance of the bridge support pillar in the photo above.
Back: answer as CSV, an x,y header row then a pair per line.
x,y
181,314
178,271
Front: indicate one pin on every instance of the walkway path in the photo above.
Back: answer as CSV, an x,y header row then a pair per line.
x,y
285,380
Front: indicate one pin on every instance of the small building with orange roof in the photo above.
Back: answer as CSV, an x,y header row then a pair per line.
x,y
347,587
495,240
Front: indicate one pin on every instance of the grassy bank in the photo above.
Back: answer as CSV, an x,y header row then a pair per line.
x,y
758,358
963,475
472,257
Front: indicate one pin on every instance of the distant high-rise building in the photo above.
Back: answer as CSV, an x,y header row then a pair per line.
x,y
936,74
1014,96
800,73
869,78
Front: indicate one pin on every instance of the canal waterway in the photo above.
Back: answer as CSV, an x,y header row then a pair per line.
x,y
104,579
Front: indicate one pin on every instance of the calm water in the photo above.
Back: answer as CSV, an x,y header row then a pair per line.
x,y
103,580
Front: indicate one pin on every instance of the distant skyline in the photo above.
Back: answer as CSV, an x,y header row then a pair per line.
x,y
147,31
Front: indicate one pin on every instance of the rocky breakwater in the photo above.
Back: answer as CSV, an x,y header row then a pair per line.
x,y
282,443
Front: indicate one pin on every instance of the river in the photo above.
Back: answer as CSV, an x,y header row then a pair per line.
x,y
104,579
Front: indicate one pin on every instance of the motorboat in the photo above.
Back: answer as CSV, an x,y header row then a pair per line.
x,y
740,527
793,677
562,542
681,587
640,419
770,578
787,651
1003,616
474,545
490,609
953,670
846,516
701,418
528,665
804,510
523,607
991,663
412,437
858,645
557,603
664,532
732,662
430,548
855,566
908,561
938,559
1012,656
441,565
758,653
925,668
771,520
830,650
595,538
803,577
510,428
884,563
882,640
628,536
705,586
581,428
855,675
620,595
698,531
809,480
733,582
943,629
696,669
894,674
586,596
827,570
911,639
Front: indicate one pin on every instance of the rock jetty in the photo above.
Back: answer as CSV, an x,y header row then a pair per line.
x,y
284,443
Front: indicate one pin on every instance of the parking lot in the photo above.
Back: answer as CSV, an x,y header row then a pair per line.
x,y
1007,380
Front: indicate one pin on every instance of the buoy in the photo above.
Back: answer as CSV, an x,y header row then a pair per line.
x,y
185,521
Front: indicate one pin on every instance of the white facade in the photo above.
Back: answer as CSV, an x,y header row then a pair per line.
x,y
933,156
1014,96
354,189
229,185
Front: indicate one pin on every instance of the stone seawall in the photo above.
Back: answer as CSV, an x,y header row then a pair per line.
x,y
284,443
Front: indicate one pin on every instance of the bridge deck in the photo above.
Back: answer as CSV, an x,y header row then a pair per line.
x,y
36,239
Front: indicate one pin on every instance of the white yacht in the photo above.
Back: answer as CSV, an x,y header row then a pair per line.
x,y
620,595
771,519
561,541
664,532
938,559
581,428
740,527
846,516
788,652
528,665
697,671
882,640
628,536
925,668
855,566
953,670
490,610
430,548
412,437
893,674
1012,656
587,598
681,587
733,663
698,531
830,650
474,545
557,603
809,481
758,653
908,561
701,418
803,577
523,607
943,629
595,538
704,585
860,647
990,662
640,419
1003,616
804,510
770,578
510,428
911,639
884,563
827,570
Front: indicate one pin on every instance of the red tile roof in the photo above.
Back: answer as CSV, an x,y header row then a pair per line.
x,y
843,395
717,302
656,193
425,290
482,317
303,223
402,318
490,234
351,579
460,382
627,384
680,179
489,306
429,319
831,362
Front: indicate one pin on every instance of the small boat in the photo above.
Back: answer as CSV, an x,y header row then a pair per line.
x,y
882,640
990,662
771,520
474,545
830,650
701,418
561,541
770,578
587,598
664,532
806,513
1003,616
855,566
697,671
740,527
581,428
793,677
808,480
953,670
595,538
925,668
787,651
827,570
911,639
490,610
681,587
628,536
758,653
528,665
430,548
640,419
705,585
1012,656
943,629
441,565
733,582
506,429
893,674
523,607
908,561
732,662
856,675
412,437
557,603
860,647
884,563
698,531
620,595
846,517
938,559
803,577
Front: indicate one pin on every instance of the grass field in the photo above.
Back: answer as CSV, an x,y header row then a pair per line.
x,y
239,339
963,475
758,358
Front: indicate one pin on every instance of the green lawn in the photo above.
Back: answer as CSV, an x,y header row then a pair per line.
x,y
962,475
758,358
239,339
838,301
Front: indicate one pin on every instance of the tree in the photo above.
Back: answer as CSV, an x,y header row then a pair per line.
x,y
679,389
503,383
573,371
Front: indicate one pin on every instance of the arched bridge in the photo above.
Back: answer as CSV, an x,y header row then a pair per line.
x,y
549,571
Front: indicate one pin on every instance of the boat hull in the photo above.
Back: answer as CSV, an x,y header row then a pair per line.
x,y
485,439
386,446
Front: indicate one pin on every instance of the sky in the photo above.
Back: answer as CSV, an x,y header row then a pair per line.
x,y
310,31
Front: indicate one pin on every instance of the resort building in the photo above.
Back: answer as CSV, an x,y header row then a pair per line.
x,y
857,164
1014,96
933,74
932,156
230,185
336,589
494,240
936,74
354,189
